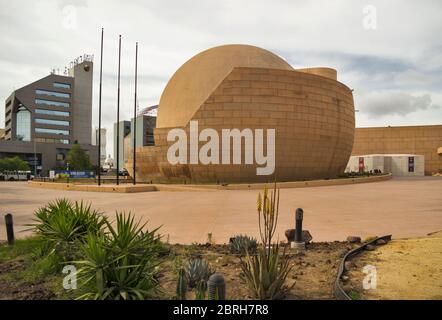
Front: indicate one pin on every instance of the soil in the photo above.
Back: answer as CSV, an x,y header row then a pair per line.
x,y
10,290
313,273
406,269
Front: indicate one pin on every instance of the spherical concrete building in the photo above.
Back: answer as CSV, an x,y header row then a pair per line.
x,y
248,88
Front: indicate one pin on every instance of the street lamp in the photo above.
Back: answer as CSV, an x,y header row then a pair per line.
x,y
35,159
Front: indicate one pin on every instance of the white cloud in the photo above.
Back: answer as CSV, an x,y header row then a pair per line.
x,y
403,54
380,104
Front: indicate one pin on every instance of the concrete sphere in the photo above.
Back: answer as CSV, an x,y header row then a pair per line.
x,y
239,86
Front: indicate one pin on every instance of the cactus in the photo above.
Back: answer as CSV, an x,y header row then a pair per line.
x,y
196,270
242,244
181,287
216,287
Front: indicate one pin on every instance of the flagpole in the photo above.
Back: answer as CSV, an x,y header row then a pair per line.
x,y
99,109
118,112
135,117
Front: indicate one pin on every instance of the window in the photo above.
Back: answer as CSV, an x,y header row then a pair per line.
x,y
52,103
23,124
64,141
62,85
53,122
52,131
53,93
52,112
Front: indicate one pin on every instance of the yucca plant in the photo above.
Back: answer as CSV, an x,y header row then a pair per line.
x,y
62,223
242,244
120,264
197,270
267,271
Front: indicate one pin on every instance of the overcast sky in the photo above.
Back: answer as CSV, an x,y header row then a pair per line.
x,y
389,52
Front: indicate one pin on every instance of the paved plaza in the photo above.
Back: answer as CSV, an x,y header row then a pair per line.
x,y
403,207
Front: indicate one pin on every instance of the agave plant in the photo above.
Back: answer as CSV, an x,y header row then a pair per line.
x,y
62,223
242,244
197,270
267,271
120,264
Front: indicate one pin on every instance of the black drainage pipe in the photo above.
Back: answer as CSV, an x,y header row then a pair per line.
x,y
339,292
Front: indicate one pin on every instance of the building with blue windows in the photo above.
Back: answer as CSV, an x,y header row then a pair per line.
x,y
45,118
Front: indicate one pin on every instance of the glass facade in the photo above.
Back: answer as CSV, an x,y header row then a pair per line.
x,y
23,124
52,103
51,131
53,122
62,85
52,112
53,93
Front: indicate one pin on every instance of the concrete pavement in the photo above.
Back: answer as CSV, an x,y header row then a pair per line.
x,y
403,207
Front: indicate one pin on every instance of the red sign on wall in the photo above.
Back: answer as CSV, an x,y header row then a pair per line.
x,y
410,164
361,164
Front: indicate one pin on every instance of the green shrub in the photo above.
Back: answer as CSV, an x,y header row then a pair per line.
x,y
63,176
242,244
13,164
121,263
62,223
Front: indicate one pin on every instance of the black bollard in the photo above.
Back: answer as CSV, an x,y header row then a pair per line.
x,y
9,228
217,287
299,217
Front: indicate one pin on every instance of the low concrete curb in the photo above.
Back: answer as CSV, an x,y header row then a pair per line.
x,y
129,188
92,188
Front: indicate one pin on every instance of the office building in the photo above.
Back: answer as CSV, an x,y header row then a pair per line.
x,y
45,118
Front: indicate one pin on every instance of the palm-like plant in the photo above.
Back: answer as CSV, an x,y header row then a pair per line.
x,y
121,263
62,223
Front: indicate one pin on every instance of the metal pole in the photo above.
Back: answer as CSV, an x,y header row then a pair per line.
x,y
99,109
118,112
35,159
135,117
9,228
299,217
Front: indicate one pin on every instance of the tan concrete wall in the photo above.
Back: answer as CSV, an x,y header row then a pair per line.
x,y
321,71
313,117
195,80
420,140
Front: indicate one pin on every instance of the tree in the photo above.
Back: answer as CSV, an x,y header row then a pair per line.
x,y
13,164
78,159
